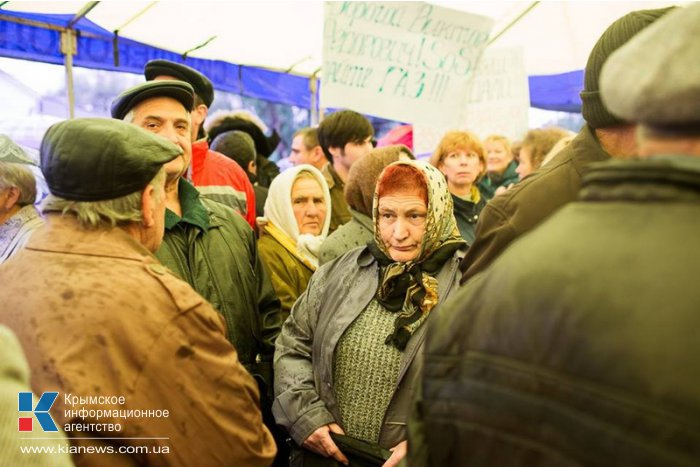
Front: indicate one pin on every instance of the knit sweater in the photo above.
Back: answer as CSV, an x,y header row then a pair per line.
x,y
366,371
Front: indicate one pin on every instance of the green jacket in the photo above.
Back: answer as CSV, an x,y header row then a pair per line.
x,y
578,346
213,249
340,213
288,274
491,182
520,209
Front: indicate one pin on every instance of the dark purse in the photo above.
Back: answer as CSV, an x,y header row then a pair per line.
x,y
360,454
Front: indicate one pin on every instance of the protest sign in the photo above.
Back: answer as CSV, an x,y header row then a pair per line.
x,y
406,61
497,102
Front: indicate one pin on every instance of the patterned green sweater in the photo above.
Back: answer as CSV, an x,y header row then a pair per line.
x,y
365,372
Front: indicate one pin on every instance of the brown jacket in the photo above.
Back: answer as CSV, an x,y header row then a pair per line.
x,y
97,315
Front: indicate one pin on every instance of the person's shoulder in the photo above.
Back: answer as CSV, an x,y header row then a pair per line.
x,y
225,214
548,182
170,288
226,163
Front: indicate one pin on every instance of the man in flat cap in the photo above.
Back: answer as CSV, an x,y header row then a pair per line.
x,y
205,243
578,346
528,203
130,361
18,216
216,176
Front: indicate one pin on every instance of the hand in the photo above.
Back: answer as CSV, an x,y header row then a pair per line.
x,y
320,442
398,452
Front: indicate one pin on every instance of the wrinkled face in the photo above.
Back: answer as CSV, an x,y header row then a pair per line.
x,y
497,157
353,152
461,168
309,205
525,166
402,217
166,117
300,154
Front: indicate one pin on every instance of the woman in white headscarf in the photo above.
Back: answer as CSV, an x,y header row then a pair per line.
x,y
297,218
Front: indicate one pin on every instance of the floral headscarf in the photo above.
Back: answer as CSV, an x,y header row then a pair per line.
x,y
410,287
279,218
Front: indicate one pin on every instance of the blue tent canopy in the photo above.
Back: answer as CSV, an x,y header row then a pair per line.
x,y
37,37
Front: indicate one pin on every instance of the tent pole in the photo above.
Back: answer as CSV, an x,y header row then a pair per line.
x,y
512,23
68,48
313,87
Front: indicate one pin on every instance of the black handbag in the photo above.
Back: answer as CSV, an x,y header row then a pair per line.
x,y
360,454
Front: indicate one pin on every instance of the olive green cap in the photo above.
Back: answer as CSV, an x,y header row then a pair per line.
x,y
96,159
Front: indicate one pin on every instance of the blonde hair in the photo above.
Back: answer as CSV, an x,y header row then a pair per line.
x,y
500,139
454,141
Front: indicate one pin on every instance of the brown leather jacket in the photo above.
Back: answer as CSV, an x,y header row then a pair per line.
x,y
98,315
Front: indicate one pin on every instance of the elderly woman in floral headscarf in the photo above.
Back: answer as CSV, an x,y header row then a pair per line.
x,y
359,194
297,218
347,359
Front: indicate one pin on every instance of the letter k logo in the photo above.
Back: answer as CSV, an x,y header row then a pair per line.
x,y
41,412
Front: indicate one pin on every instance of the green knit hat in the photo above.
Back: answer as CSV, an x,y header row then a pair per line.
x,y
621,31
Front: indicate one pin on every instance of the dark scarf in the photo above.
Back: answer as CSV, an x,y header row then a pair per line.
x,y
410,288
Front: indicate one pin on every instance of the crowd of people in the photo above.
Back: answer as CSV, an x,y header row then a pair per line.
x,y
502,303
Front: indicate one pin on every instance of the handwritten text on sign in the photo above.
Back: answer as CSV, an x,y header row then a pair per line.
x,y
407,61
497,102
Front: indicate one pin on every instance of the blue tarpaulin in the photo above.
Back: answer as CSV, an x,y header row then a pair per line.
x,y
38,38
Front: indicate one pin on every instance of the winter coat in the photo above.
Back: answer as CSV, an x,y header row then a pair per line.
x,y
212,249
491,182
219,178
14,379
338,292
521,208
591,357
467,214
340,213
289,275
98,315
357,232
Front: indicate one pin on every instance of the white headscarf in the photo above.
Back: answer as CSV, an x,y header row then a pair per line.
x,y
280,213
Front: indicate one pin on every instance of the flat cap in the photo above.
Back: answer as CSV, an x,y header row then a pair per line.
x,y
95,159
201,84
654,79
127,100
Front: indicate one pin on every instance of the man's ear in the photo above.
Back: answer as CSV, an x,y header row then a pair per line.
x,y
335,152
199,114
252,168
317,154
148,206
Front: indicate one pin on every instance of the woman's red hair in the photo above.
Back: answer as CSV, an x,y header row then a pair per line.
x,y
402,178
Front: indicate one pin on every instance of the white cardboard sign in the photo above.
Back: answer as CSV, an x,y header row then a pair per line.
x,y
497,102
406,61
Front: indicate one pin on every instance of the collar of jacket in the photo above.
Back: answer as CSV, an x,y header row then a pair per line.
x,y
63,234
193,211
656,179
363,219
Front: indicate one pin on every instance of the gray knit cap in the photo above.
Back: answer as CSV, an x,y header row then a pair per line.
x,y
622,30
